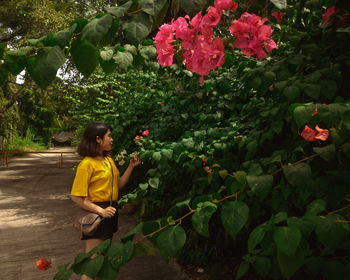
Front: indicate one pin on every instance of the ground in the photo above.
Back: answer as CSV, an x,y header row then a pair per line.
x,y
36,222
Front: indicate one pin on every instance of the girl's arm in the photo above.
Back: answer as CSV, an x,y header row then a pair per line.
x,y
134,161
86,204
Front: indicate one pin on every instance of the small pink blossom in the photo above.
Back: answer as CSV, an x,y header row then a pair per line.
x,y
278,15
326,17
210,20
163,40
145,133
137,137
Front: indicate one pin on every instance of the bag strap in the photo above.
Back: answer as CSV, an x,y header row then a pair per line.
x,y
110,199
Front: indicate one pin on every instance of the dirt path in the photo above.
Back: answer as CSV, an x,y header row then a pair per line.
x,y
36,222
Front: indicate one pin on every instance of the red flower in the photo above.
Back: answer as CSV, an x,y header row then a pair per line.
x,y
225,4
253,36
204,161
145,133
326,17
278,15
43,264
311,135
137,137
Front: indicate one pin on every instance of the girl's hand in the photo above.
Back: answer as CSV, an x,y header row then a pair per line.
x,y
108,212
134,161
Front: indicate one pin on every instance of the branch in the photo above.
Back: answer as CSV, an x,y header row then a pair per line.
x,y
295,163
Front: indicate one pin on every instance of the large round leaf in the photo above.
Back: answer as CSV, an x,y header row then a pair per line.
x,y
152,7
44,66
137,27
201,218
287,239
85,56
170,241
96,29
298,174
234,216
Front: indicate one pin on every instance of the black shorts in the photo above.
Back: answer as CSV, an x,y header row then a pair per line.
x,y
108,226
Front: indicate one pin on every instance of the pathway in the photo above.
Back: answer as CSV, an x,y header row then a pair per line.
x,y
36,222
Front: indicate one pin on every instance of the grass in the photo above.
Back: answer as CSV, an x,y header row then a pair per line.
x,y
23,144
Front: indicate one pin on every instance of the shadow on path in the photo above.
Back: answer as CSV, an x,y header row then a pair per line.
x,y
36,222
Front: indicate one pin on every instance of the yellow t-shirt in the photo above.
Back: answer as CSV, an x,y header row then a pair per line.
x,y
93,180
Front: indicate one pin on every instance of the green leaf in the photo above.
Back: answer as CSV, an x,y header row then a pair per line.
x,y
148,52
242,270
106,54
346,119
3,75
298,174
287,239
63,37
142,249
123,59
262,265
96,29
89,267
280,4
327,152
100,248
15,64
168,154
280,217
315,207
154,183
20,52
81,22
170,241
137,27
130,235
119,254
260,185
120,10
313,90
63,272
108,66
223,173
255,237
44,66
291,92
234,215
130,48
200,220
157,156
110,36
85,56
108,272
302,114
193,7
328,88
290,264
330,232
305,224
143,186
152,7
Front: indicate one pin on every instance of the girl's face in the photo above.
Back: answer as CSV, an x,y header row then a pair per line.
x,y
106,142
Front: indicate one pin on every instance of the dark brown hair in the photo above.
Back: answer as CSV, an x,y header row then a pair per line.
x,y
88,146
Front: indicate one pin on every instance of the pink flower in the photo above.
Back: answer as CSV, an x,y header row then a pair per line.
x,y
163,40
145,133
234,6
253,36
210,20
328,13
278,15
196,20
225,4
311,135
137,138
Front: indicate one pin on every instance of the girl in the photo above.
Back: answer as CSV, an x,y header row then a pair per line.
x,y
92,185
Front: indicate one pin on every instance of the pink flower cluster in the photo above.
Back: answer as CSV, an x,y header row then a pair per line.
x,y
202,52
253,36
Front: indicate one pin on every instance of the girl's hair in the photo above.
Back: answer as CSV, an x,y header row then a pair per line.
x,y
88,145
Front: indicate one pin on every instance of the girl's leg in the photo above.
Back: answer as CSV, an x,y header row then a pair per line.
x,y
89,245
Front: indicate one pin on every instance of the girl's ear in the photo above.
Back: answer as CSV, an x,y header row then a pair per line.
x,y
98,139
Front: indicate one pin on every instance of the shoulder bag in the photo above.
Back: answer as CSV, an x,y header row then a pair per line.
x,y
86,222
